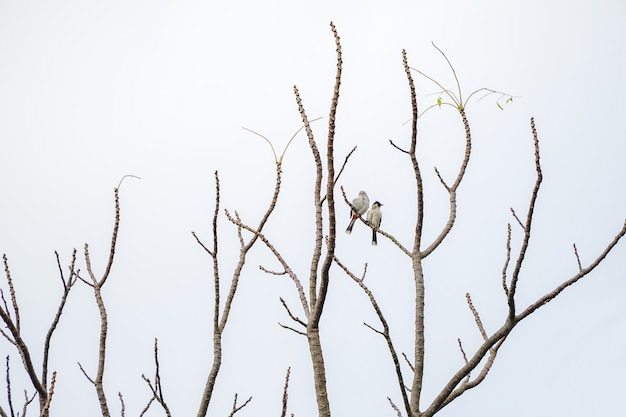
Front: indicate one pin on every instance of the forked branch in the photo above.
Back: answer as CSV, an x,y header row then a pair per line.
x,y
222,313
487,351
156,388
97,284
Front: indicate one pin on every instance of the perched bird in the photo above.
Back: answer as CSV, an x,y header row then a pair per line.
x,y
374,216
361,203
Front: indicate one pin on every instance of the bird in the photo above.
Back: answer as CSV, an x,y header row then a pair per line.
x,y
361,203
374,216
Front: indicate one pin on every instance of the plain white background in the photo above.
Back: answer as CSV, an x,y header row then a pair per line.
x,y
92,91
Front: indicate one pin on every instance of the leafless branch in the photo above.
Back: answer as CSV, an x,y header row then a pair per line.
x,y
580,267
452,189
395,407
201,244
527,226
283,412
345,162
380,231
122,405
97,284
507,260
83,279
385,332
441,180
489,348
7,337
220,321
156,388
291,315
408,362
147,407
517,218
583,272
476,316
267,271
278,256
48,401
236,407
4,302
67,286
85,373
8,379
462,350
16,310
13,326
399,148
373,329
292,329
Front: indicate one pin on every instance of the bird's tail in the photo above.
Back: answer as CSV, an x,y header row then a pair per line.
x,y
374,240
351,225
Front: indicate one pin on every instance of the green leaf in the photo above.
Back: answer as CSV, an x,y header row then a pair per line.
x,y
499,106
510,99
439,101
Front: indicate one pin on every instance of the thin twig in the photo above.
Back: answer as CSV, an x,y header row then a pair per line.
x,y
517,218
122,405
236,407
476,317
507,260
580,267
291,315
462,351
284,326
267,271
283,412
395,407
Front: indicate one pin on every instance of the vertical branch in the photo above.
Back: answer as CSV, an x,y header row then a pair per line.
x,y
330,188
317,251
157,389
283,412
17,340
527,226
67,286
16,309
214,257
452,190
416,257
97,285
412,154
385,333
8,379
245,249
217,339
507,260
46,405
219,323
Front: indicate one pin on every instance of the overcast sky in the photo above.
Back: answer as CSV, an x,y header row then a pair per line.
x,y
92,91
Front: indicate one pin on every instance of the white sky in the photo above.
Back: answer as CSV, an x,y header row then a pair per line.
x,y
91,91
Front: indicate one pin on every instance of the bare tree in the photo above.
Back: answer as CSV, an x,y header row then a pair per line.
x,y
221,313
311,285
96,284
324,242
482,359
11,318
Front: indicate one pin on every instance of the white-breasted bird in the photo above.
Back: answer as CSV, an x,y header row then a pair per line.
x,y
374,216
361,203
